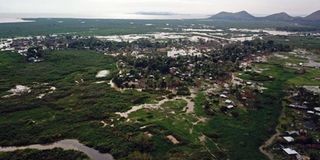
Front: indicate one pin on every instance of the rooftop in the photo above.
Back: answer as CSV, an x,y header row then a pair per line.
x,y
290,151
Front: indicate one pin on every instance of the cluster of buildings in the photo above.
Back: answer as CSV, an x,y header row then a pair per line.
x,y
5,44
302,133
181,52
288,140
307,105
22,44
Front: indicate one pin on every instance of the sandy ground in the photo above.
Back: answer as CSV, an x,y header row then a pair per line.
x,y
18,90
102,73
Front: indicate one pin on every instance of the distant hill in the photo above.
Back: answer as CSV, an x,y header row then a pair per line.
x,y
312,19
315,16
279,17
243,15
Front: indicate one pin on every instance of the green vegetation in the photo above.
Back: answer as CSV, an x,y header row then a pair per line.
x,y
248,131
308,42
45,26
73,110
233,136
80,108
252,127
53,154
285,78
199,103
170,120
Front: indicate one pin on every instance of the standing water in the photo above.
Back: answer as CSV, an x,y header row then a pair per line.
x,y
67,144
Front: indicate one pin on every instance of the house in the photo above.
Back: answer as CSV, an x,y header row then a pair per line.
x,y
223,96
317,109
292,133
288,138
228,101
290,151
314,89
310,112
230,106
316,112
296,106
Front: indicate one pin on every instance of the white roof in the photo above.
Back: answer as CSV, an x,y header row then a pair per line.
x,y
223,96
289,139
292,132
230,106
310,112
290,151
228,101
317,109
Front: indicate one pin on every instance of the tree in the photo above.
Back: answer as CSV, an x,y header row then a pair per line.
x,y
136,155
183,91
34,53
143,143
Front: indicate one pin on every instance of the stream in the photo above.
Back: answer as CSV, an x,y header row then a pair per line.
x,y
67,144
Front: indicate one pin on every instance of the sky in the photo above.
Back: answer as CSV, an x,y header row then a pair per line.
x,y
126,8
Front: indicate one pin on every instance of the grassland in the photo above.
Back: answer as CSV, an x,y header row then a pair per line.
x,y
73,110
308,42
244,134
286,77
227,136
78,106
76,111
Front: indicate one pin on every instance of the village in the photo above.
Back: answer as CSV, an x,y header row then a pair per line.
x,y
188,40
182,66
298,134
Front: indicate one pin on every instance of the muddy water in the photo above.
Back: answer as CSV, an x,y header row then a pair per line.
x,y
67,144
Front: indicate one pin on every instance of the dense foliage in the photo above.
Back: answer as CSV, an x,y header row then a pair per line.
x,y
158,71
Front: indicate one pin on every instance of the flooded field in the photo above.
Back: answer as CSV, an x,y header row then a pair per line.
x,y
14,20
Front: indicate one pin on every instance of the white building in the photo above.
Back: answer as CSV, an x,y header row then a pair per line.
x,y
181,52
290,151
288,139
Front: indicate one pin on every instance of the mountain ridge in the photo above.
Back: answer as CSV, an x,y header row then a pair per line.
x,y
281,16
244,15
315,16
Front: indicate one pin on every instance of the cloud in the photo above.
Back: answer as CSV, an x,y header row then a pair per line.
x,y
105,8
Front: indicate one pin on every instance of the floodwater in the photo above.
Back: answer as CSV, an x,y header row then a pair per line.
x,y
269,31
14,16
67,144
312,63
13,20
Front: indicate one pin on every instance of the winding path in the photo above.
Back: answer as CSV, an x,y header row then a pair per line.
x,y
267,144
189,107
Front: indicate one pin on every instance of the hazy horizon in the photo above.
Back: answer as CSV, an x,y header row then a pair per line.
x,y
129,8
